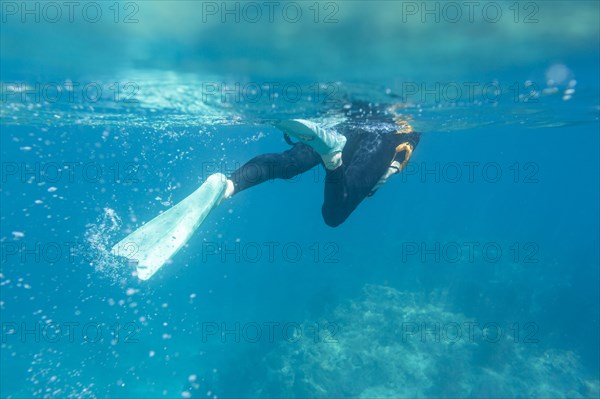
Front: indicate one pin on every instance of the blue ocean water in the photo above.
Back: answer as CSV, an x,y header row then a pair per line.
x,y
474,273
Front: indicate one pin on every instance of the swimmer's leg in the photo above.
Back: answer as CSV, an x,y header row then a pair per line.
x,y
286,165
326,142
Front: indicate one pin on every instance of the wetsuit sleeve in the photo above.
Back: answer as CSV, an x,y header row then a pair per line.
x,y
285,165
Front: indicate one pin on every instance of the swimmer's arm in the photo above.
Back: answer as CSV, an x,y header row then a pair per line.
x,y
408,148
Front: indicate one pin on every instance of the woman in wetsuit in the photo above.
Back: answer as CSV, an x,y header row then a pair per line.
x,y
359,157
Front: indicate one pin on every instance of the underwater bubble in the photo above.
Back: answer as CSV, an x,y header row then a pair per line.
x,y
558,73
100,237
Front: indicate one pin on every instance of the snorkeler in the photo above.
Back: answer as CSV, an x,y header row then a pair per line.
x,y
358,160
359,156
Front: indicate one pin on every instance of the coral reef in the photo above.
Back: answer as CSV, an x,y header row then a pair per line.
x,y
391,344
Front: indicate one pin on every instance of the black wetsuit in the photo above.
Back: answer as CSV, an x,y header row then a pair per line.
x,y
369,150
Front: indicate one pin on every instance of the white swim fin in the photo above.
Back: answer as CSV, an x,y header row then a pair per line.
x,y
153,244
